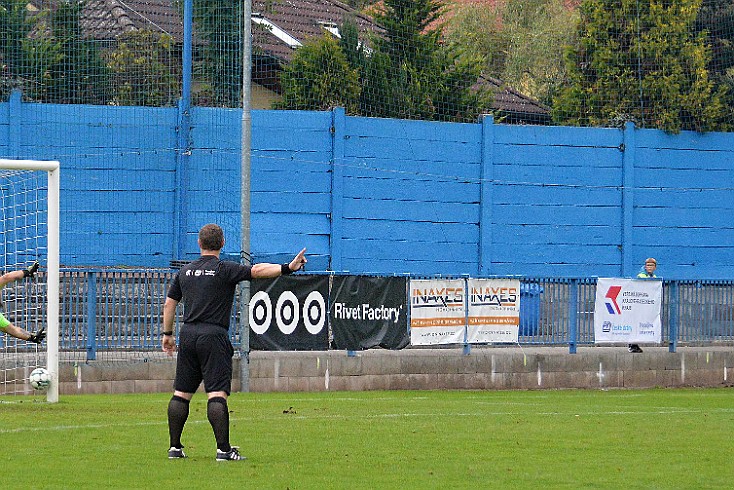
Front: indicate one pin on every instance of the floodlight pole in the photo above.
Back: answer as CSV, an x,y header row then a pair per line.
x,y
244,324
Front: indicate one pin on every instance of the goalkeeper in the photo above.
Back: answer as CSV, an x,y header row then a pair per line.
x,y
5,325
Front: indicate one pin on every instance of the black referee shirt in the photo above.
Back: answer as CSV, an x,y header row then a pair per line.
x,y
207,288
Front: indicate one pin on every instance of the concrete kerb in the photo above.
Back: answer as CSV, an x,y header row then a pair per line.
x,y
420,369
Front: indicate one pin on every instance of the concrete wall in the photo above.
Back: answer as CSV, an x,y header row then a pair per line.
x,y
384,196
430,369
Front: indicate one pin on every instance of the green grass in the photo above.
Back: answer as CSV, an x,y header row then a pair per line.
x,y
379,440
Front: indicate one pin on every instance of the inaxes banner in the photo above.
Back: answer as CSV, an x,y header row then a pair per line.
x,y
627,311
437,311
289,313
368,312
494,310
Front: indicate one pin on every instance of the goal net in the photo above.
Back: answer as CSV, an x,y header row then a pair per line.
x,y
29,222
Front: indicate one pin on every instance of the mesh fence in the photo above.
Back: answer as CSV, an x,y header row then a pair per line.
x,y
664,64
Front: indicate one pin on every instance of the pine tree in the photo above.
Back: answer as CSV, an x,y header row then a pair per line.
x,y
410,74
641,62
319,78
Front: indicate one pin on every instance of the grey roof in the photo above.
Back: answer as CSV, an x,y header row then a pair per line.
x,y
517,107
105,19
303,19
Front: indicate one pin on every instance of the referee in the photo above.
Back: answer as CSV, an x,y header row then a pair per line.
x,y
207,287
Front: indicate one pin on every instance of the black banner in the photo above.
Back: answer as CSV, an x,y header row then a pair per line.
x,y
368,312
289,313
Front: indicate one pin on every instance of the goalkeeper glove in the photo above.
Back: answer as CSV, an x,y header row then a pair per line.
x,y
38,337
31,271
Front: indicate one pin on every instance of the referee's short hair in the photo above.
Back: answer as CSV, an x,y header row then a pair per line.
x,y
211,237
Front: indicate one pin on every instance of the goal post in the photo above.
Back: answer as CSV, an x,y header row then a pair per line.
x,y
52,170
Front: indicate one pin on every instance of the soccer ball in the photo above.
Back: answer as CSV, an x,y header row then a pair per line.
x,y
40,378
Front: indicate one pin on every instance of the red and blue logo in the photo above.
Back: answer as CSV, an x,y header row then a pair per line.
x,y
611,300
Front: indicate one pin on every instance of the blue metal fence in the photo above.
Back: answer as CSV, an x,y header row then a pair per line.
x,y
105,310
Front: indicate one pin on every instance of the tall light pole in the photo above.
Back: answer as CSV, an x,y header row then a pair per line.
x,y
244,324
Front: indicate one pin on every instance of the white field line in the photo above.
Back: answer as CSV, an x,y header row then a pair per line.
x,y
667,411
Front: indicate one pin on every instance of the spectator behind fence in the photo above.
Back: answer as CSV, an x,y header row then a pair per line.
x,y
647,272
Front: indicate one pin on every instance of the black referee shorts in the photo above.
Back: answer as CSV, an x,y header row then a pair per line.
x,y
204,354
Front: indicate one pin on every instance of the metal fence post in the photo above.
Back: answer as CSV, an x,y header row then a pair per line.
x,y
573,314
91,316
673,317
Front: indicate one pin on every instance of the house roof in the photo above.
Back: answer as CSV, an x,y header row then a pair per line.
x,y
301,19
103,19
516,107
108,19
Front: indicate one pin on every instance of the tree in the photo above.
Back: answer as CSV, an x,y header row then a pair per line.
x,y
522,41
81,75
319,78
145,74
219,24
410,74
25,60
641,62
716,20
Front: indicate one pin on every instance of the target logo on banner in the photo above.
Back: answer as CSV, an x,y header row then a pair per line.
x,y
287,312
290,313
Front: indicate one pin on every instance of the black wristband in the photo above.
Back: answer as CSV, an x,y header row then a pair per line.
x,y
285,269
168,333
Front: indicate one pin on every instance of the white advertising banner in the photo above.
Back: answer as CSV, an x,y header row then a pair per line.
x,y
437,311
494,310
627,311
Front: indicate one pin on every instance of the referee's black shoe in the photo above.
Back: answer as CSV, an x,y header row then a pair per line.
x,y
232,455
176,453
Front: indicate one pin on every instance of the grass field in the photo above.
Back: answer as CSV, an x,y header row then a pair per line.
x,y
379,440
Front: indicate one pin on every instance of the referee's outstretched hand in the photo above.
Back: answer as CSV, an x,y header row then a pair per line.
x,y
299,261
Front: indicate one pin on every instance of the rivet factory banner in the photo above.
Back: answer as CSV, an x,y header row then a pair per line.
x,y
437,311
289,313
627,311
368,312
494,310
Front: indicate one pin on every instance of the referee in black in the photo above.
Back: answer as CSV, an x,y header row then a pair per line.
x,y
207,287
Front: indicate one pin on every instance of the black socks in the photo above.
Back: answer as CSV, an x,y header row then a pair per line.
x,y
217,412
178,412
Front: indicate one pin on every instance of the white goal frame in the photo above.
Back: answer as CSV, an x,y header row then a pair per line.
x,y
53,169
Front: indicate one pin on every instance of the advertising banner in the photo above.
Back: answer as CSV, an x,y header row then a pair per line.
x,y
289,313
494,310
627,311
368,312
437,311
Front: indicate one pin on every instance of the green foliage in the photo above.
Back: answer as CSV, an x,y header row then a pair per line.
x,y
45,56
81,75
716,20
145,69
410,74
641,62
522,41
219,25
319,78
25,60
407,73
